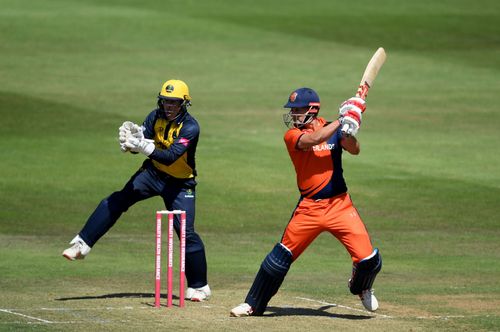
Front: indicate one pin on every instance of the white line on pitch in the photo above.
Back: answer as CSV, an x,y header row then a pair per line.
x,y
93,308
384,316
26,316
443,317
341,306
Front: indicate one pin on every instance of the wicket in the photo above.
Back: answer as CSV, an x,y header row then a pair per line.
x,y
170,256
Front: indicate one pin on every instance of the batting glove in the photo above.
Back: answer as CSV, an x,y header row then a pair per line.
x,y
355,104
350,123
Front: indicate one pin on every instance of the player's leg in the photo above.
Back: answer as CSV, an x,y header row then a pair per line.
x,y
181,198
271,274
364,272
363,277
141,185
367,262
302,229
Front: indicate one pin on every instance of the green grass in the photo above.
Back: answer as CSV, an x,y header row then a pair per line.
x,y
426,183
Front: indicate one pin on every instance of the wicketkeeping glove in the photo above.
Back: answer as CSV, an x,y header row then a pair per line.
x,y
129,130
144,145
123,148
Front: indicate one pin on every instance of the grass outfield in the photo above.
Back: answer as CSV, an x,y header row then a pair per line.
x,y
426,183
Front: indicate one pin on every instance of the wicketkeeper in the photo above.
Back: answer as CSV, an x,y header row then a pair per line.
x,y
315,147
168,138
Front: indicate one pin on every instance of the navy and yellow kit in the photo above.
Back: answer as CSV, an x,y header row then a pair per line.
x,y
168,138
168,172
175,144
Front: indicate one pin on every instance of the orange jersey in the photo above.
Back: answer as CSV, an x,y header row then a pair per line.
x,y
319,169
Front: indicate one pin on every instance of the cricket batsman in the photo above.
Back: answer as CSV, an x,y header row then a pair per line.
x,y
315,147
168,138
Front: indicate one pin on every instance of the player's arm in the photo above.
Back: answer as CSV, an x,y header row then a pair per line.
x,y
130,131
316,137
170,155
350,144
148,125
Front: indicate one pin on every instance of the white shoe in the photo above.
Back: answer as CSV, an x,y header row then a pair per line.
x,y
241,310
78,250
369,300
198,294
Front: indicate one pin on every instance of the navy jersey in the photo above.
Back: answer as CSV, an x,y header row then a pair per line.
x,y
175,144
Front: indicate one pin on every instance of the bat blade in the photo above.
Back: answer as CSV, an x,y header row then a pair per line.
x,y
371,72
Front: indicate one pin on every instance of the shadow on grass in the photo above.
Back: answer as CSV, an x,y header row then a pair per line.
x,y
276,311
116,296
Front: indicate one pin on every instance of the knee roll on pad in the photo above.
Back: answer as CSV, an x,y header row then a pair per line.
x,y
278,261
271,274
364,273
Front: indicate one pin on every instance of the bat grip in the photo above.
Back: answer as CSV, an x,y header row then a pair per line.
x,y
363,91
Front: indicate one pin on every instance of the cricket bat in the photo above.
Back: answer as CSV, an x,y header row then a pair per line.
x,y
371,72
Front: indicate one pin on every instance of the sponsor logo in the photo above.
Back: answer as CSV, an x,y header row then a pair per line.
x,y
323,147
189,194
184,141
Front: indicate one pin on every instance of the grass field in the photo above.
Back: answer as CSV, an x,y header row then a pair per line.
x,y
427,182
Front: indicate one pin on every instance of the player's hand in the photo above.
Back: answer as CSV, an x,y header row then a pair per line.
x,y
123,131
350,123
137,131
123,148
350,115
128,130
126,126
355,104
144,146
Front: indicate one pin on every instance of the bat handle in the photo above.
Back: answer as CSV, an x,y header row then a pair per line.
x,y
363,91
345,128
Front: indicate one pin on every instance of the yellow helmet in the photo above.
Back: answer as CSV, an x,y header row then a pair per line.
x,y
175,89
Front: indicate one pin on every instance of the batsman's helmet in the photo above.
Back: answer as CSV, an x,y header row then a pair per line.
x,y
303,97
300,98
175,90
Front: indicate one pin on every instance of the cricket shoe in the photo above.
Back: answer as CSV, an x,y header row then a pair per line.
x,y
198,294
241,310
369,300
78,250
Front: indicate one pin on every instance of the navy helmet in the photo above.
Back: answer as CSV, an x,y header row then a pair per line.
x,y
303,97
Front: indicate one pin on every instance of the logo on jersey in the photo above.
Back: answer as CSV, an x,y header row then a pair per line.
x,y
184,141
189,194
323,147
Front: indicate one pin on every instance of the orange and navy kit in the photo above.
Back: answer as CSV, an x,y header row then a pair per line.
x,y
324,204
